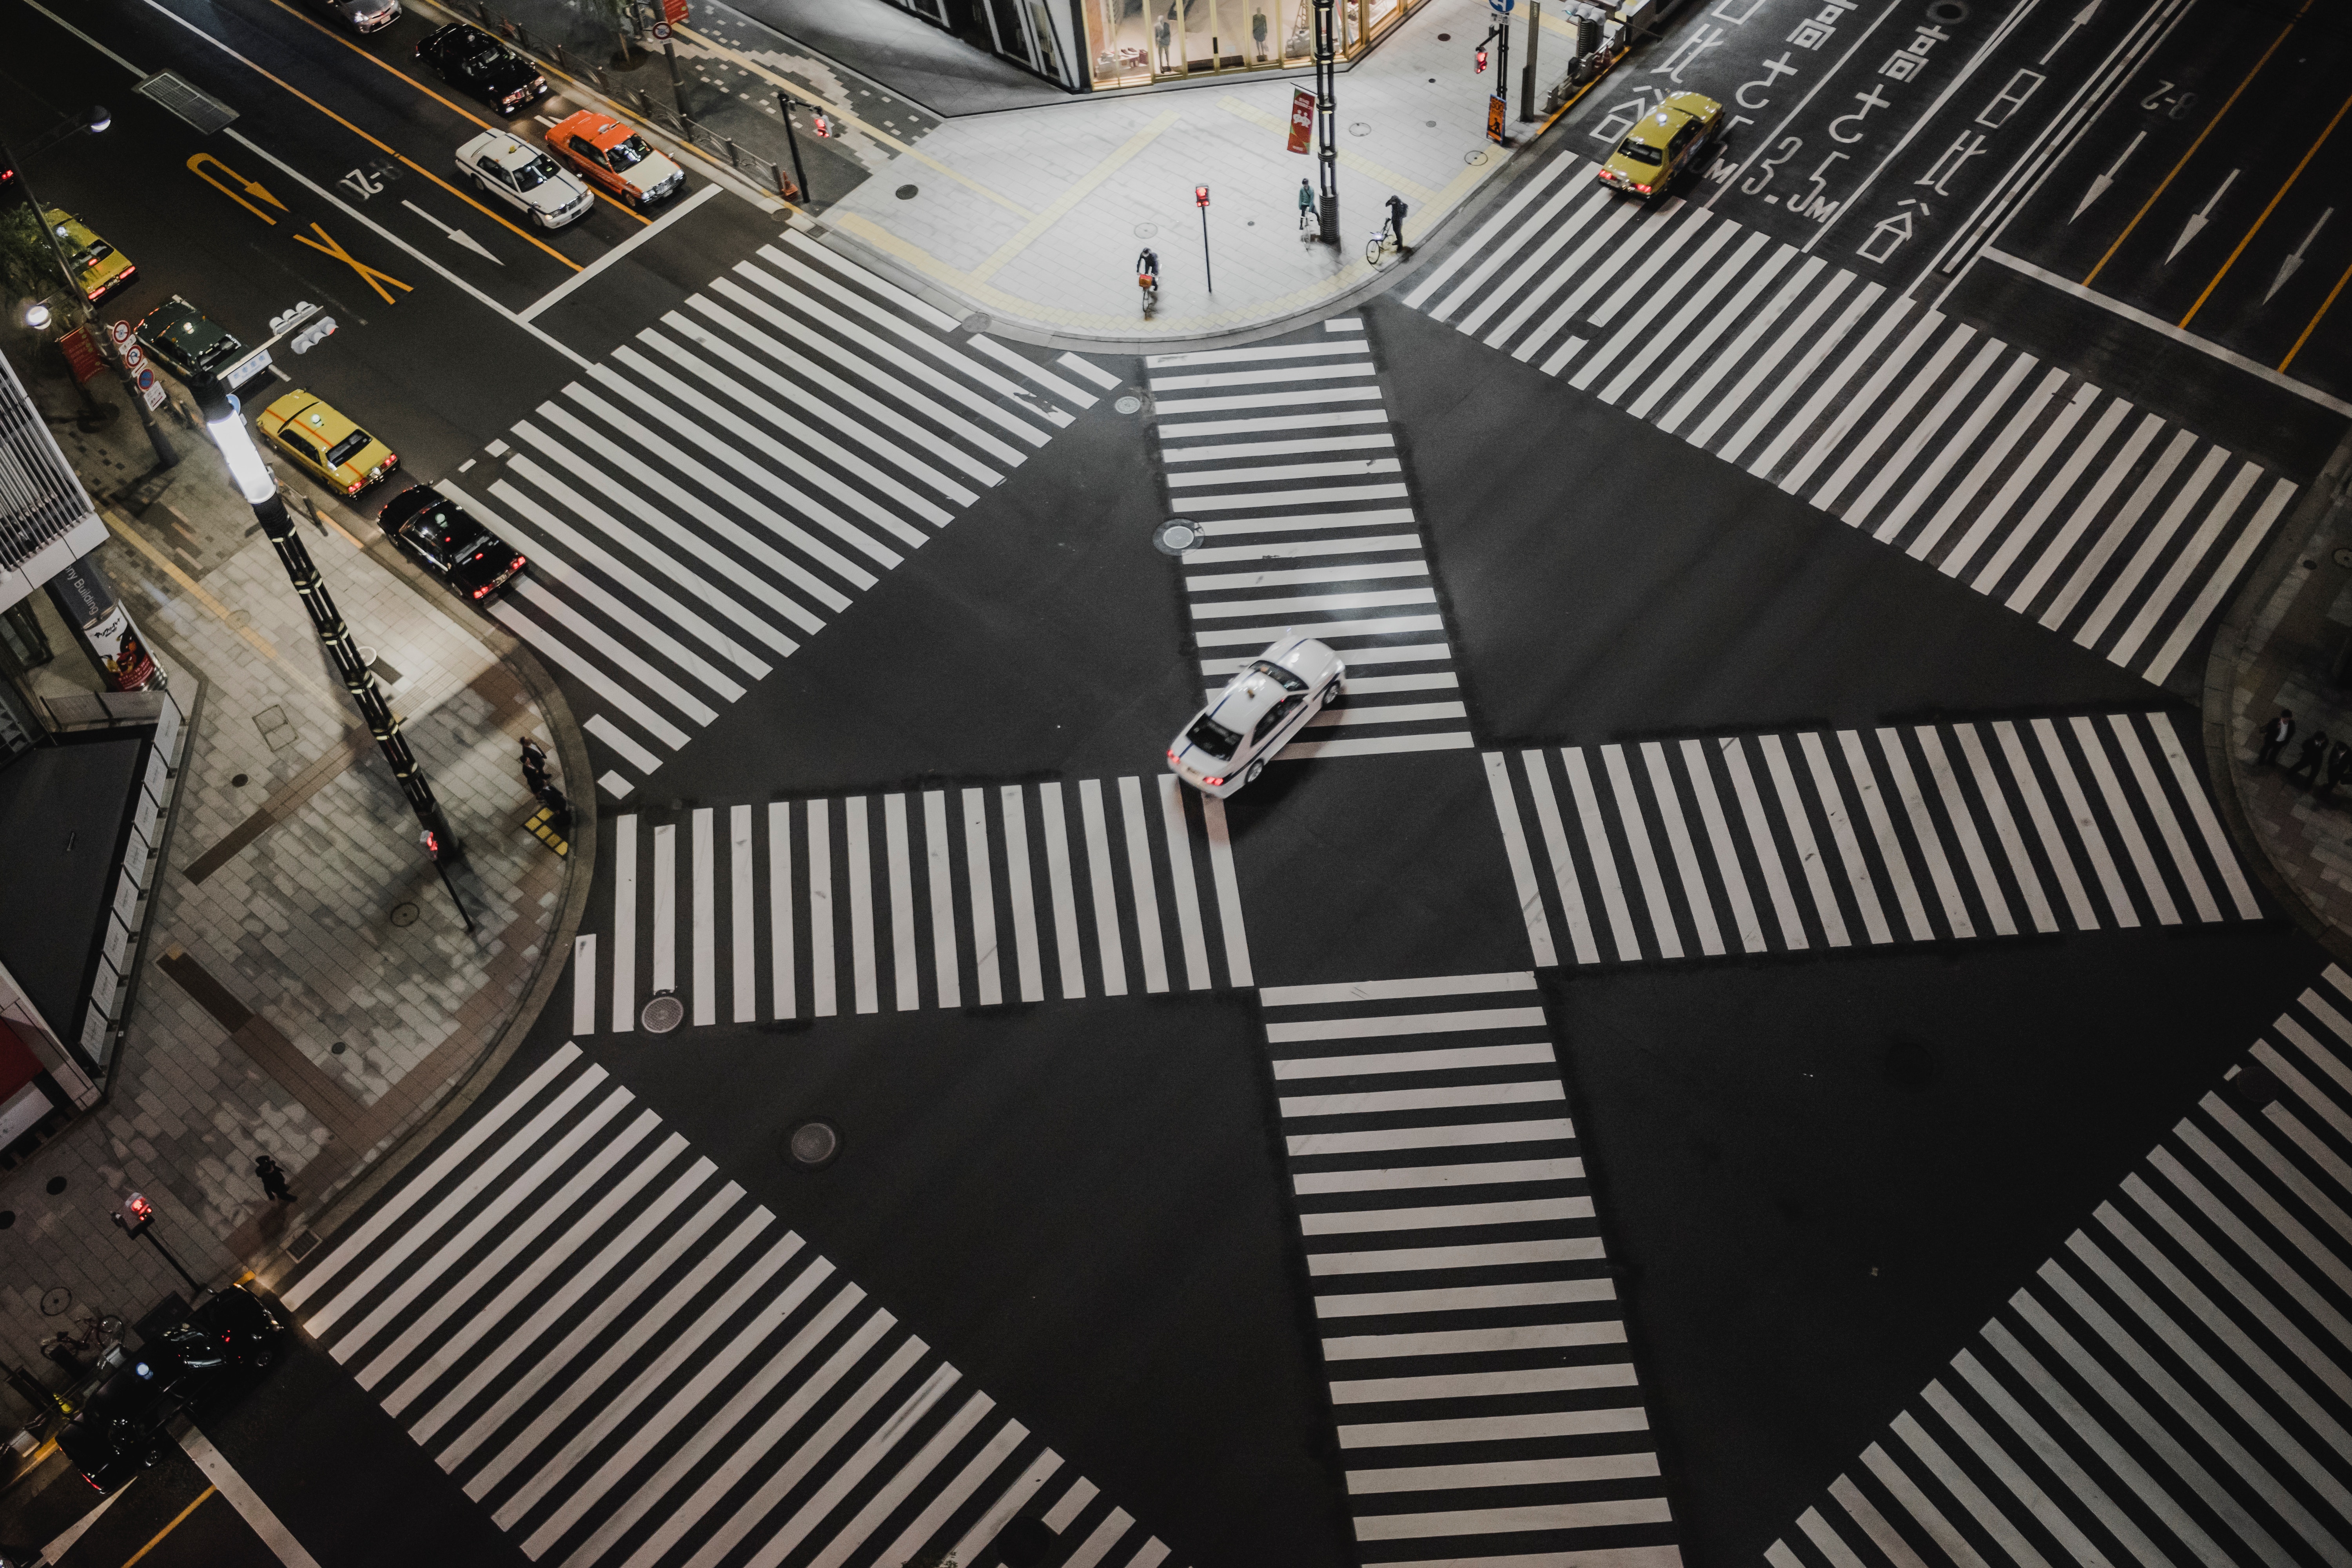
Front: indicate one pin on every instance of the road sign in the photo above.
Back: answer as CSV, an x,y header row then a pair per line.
x,y
146,379
661,32
133,356
1495,109
1500,7
120,332
155,395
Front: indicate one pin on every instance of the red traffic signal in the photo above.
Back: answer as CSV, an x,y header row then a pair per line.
x,y
1200,195
822,126
1482,57
134,1213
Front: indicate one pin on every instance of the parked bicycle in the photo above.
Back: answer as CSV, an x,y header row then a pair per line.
x,y
1380,246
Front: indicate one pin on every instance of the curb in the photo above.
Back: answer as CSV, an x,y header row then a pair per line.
x,y
2330,489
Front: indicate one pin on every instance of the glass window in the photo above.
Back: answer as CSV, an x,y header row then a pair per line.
x,y
348,448
1640,153
628,154
535,173
1214,738
1282,678
1274,719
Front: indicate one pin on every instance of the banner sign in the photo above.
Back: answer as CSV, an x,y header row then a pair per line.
x,y
81,353
89,606
1302,118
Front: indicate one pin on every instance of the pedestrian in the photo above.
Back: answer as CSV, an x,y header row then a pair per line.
x,y
1306,207
559,810
2279,731
1396,220
534,759
2339,767
273,1179
2309,759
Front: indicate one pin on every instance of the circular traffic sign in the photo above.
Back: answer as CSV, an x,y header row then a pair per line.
x,y
1500,7
120,332
132,358
146,379
661,32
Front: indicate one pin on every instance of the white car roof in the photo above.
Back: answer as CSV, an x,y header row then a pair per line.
x,y
501,149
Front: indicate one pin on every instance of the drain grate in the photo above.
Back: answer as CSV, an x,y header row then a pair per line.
x,y
191,103
304,1245
662,1015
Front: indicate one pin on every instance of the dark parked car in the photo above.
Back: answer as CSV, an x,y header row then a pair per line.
x,y
448,543
186,342
119,1431
469,58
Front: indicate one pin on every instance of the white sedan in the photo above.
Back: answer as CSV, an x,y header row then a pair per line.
x,y
1261,710
525,178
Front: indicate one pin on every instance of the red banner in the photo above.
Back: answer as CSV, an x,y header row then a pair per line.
x,y
1302,118
674,11
81,353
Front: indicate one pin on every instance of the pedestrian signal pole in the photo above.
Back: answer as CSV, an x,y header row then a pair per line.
x,y
1201,200
799,180
1327,109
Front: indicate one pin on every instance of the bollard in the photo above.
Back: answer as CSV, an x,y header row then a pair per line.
x,y
603,84
734,161
560,63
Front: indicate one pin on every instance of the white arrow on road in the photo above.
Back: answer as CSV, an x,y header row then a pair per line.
x,y
2080,21
2286,267
459,235
2099,182
2200,218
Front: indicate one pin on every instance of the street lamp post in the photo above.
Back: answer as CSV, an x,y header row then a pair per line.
x,y
793,141
95,121
1326,108
227,427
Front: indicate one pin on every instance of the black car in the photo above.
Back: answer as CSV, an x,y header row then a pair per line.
x,y
118,1431
469,58
448,543
188,343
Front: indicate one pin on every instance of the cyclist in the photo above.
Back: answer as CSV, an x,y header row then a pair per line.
x,y
1306,207
1147,272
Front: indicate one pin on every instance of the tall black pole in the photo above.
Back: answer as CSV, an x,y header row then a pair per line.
x,y
1528,80
195,1289
165,457
1503,62
800,181
1207,275
1326,108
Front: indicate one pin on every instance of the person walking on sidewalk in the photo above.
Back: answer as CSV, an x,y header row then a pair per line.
x,y
2312,756
2339,766
2275,736
273,1179
1396,221
534,762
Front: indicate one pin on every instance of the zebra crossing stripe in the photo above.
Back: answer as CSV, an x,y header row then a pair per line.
x,y
1910,828
918,914
1937,439
2156,1391
580,1416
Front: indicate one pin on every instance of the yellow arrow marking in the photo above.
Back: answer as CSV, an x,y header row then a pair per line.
x,y
325,245
243,187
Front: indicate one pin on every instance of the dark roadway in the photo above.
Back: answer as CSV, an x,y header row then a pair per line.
x,y
1816,1174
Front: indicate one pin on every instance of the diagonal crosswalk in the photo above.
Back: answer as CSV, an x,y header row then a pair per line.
x,y
2175,1384
1282,456
629,1363
2103,521
1751,843
1487,1402
726,483
941,898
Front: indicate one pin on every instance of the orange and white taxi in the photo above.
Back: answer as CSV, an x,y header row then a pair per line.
x,y
614,155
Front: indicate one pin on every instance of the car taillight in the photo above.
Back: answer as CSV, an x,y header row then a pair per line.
x,y
354,487
482,590
1644,190
1214,782
91,1479
518,564
1171,756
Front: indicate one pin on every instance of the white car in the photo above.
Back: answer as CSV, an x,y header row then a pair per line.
x,y
525,178
1261,710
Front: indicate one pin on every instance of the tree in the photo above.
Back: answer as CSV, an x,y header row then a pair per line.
x,y
28,268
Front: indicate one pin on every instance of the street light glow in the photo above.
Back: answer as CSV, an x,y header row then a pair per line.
x,y
36,316
235,443
98,119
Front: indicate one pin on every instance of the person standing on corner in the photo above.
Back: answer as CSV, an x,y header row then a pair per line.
x,y
2310,758
1396,221
2339,767
2276,735
273,1179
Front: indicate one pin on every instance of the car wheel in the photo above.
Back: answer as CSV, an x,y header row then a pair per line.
x,y
261,1359
1249,775
1333,693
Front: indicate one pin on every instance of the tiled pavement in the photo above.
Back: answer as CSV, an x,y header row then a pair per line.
x,y
309,991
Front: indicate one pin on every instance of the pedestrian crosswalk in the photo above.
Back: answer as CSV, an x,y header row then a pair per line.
x,y
627,1361
2103,521
1281,456
940,897
1771,843
720,488
1487,1402
2175,1384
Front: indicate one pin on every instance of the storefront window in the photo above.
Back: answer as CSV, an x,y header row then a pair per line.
x,y
1130,42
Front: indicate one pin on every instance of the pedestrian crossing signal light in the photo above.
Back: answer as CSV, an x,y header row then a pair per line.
x,y
135,1214
824,127
432,842
1200,195
1482,58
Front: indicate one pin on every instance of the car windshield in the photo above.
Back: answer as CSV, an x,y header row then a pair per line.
x,y
483,59
98,251
1633,151
347,448
1214,738
1283,677
625,154
536,173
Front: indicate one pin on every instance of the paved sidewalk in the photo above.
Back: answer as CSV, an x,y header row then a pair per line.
x,y
310,992
2280,645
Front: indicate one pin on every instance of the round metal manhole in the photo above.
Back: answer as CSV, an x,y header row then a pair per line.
x,y
906,192
56,1185
1176,536
662,1015
1360,128
55,1300
7,1218
2344,558
1474,159
977,323
1445,37
238,782
813,1145
403,914
1146,230
1135,405
1947,12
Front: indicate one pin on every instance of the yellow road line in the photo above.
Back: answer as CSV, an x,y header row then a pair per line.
x,y
460,112
2314,324
1365,166
2217,115
1079,190
847,117
189,585
171,1527
2275,200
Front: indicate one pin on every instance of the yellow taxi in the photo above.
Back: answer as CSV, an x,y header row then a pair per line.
x,y
327,443
99,268
1673,137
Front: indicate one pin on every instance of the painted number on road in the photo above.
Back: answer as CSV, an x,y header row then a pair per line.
x,y
363,186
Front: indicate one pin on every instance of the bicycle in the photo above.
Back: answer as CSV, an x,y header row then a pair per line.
x,y
1379,246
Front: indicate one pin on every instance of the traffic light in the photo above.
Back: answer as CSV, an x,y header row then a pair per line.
x,y
134,1213
432,842
1482,58
822,126
1200,195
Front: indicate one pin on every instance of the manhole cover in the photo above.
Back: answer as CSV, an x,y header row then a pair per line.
x,y
1474,159
1176,535
1135,405
7,1218
57,1184
403,914
1947,12
977,323
906,192
238,782
1146,230
1360,128
55,1300
1431,123
1445,37
338,1049
662,1015
813,1145
2344,558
